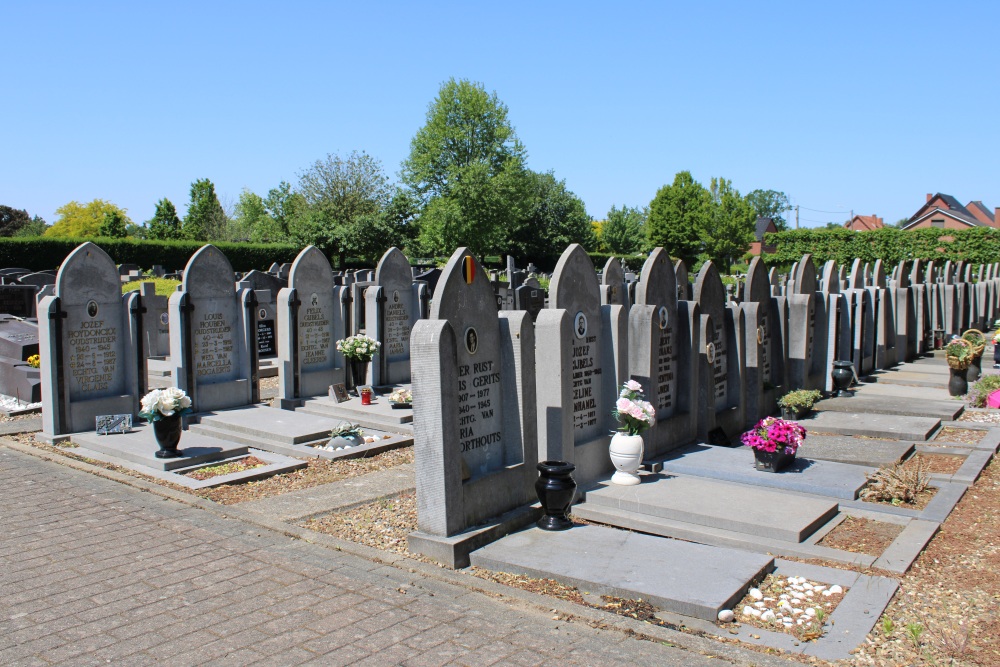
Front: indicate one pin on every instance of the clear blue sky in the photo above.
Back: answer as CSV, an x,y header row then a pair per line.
x,y
865,106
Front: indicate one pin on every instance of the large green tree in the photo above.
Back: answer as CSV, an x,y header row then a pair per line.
x,y
678,216
164,225
465,126
114,225
553,218
36,227
82,220
12,220
770,204
731,226
623,232
206,220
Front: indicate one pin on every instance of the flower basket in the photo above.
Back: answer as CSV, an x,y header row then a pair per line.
x,y
401,398
774,442
958,354
976,339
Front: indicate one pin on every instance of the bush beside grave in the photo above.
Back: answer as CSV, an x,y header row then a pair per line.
x,y
47,253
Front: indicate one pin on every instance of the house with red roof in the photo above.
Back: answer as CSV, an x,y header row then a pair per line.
x,y
764,226
943,211
864,223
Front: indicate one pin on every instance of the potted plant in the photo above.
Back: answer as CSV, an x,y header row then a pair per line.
x,y
358,350
346,435
958,354
796,404
164,408
977,339
401,398
635,416
774,443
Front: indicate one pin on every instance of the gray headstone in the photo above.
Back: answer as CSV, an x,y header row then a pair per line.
x,y
392,312
725,377
613,289
682,280
18,300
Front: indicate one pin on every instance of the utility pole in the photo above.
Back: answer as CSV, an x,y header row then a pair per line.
x,y
796,216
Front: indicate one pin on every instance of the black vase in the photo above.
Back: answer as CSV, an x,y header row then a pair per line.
x,y
842,374
771,461
556,489
167,431
359,372
975,369
957,384
793,414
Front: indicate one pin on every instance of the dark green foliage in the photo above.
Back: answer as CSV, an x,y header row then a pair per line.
x,y
113,226
205,218
48,253
36,227
164,225
770,204
977,245
553,218
12,220
624,230
677,216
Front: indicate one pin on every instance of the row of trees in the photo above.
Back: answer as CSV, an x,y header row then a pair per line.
x,y
464,182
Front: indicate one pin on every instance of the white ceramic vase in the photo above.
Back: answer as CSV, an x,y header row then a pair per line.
x,y
626,454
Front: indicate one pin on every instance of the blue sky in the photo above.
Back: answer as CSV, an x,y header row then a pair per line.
x,y
843,106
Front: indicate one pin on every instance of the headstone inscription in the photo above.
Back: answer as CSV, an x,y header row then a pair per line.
x,y
213,335
392,310
267,339
721,380
764,348
88,346
885,319
807,329
473,395
658,356
581,361
310,322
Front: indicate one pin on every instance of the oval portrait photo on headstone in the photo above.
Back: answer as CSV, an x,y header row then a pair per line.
x,y
471,340
92,308
314,299
262,313
580,325
395,296
760,334
710,352
164,319
663,318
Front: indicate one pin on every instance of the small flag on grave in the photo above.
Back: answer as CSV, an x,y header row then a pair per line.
x,y
470,269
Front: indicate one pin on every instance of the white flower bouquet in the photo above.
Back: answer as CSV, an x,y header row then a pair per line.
x,y
161,403
358,348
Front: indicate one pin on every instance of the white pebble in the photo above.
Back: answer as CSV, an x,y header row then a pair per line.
x,y
809,593
796,587
788,624
798,622
810,612
798,596
748,610
760,605
796,610
819,588
783,596
836,589
767,616
769,599
756,594
826,594
808,587
756,613
726,615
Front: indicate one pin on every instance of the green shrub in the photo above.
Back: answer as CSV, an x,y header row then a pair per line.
x,y
800,399
981,390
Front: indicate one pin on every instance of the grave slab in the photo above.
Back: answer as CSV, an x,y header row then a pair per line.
x,y
910,379
856,451
824,478
892,405
380,414
140,445
875,426
682,577
869,389
762,512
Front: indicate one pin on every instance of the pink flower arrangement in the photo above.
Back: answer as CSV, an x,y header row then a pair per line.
x,y
634,414
772,435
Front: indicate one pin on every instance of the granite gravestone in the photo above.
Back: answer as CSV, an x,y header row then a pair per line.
x,y
155,322
861,321
765,350
658,356
614,290
267,336
807,329
721,380
839,343
392,310
885,320
310,322
18,341
684,291
530,298
921,309
581,364
213,336
474,414
88,346
18,300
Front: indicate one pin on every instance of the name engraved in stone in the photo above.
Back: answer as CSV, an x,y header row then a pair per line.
x,y
764,352
811,338
213,345
720,366
314,336
91,355
478,425
397,329
585,369
664,370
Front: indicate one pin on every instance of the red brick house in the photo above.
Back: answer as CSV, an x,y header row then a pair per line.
x,y
864,223
945,212
764,226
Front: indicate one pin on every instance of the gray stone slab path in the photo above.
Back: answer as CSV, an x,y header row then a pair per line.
x,y
856,451
606,561
96,572
28,425
140,446
923,393
763,512
297,505
823,478
875,426
892,405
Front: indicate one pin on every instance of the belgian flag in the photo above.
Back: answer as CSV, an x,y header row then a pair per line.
x,y
469,266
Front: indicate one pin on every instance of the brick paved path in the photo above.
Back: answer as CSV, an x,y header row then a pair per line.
x,y
93,572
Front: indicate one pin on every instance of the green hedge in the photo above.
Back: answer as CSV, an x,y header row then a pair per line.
x,y
978,245
40,253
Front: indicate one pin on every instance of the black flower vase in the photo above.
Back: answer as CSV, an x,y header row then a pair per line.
x,y
556,489
975,369
958,385
772,461
167,431
842,374
359,372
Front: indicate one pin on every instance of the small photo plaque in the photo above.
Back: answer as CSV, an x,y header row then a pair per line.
x,y
339,392
108,424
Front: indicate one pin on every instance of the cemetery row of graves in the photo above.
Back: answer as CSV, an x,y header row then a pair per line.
x,y
504,374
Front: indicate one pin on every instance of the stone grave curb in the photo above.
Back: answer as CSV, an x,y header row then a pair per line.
x,y
972,467
433,576
17,412
938,509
